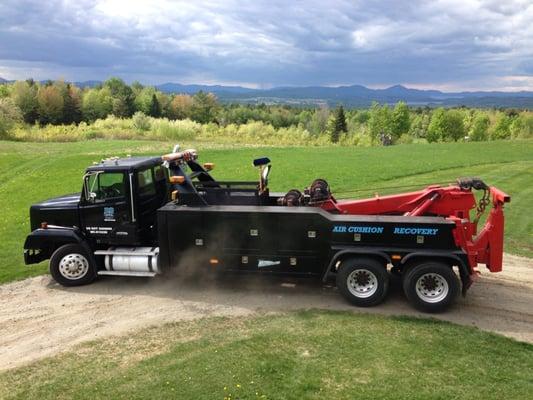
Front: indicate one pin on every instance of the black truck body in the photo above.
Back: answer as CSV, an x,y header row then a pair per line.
x,y
290,240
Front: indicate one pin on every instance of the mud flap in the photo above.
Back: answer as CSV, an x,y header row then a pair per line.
x,y
466,280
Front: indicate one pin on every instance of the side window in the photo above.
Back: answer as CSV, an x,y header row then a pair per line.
x,y
159,173
146,182
107,185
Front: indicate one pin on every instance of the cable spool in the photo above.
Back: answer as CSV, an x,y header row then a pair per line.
x,y
293,198
319,191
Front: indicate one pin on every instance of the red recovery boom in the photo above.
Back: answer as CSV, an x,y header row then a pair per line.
x,y
453,202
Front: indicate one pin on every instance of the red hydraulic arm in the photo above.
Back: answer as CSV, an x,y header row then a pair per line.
x,y
433,200
487,246
454,202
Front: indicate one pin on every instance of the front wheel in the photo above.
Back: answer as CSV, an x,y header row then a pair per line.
x,y
71,265
364,282
431,286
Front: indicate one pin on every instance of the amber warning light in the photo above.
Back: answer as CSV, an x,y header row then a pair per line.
x,y
177,179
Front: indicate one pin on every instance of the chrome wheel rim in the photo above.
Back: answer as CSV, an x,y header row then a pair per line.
x,y
432,288
362,283
73,266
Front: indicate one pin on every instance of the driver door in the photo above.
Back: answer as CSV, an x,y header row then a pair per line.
x,y
105,208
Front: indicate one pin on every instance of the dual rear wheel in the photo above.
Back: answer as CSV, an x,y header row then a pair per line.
x,y
430,286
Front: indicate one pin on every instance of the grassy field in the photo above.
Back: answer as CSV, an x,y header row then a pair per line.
x,y
30,172
307,355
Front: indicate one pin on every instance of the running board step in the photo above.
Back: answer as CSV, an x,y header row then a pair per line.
x,y
128,273
126,253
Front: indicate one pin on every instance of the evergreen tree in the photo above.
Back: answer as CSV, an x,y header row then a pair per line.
x,y
339,125
155,107
72,104
340,120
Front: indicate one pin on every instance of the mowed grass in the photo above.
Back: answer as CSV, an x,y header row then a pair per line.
x,y
30,172
304,355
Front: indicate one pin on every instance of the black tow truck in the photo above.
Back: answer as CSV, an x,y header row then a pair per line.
x,y
144,216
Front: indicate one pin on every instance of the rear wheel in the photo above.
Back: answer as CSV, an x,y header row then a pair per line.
x,y
431,286
364,282
71,265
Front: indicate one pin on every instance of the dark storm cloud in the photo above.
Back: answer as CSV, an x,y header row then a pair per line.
x,y
444,43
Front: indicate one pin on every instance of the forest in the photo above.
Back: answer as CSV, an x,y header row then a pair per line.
x,y
61,111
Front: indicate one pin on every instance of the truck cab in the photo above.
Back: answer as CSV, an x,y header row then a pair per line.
x,y
117,206
120,198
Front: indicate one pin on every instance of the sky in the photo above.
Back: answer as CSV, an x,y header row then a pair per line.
x,y
443,44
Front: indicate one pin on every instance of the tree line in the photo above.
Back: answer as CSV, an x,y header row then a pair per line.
x,y
59,102
62,103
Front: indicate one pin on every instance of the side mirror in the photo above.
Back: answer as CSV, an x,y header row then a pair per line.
x,y
264,170
264,175
258,162
92,197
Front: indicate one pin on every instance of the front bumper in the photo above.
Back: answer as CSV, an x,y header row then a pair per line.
x,y
34,256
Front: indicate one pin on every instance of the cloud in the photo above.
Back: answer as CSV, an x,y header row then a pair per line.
x,y
454,43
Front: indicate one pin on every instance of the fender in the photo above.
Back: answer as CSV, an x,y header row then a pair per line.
x,y
458,258
41,243
350,250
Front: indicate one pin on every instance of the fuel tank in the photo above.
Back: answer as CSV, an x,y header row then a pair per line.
x,y
131,259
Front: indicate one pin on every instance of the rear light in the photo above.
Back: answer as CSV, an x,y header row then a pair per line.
x,y
213,261
208,166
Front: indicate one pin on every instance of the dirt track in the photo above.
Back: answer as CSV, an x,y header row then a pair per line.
x,y
39,318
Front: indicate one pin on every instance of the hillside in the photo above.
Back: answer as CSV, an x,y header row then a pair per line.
x,y
358,96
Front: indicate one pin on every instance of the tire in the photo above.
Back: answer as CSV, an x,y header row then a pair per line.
x,y
431,286
364,282
72,265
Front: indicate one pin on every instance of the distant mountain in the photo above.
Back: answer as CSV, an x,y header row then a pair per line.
x,y
356,95
190,89
2,80
351,96
85,84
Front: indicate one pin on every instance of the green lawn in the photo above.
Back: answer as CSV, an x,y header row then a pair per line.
x,y
305,355
30,172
